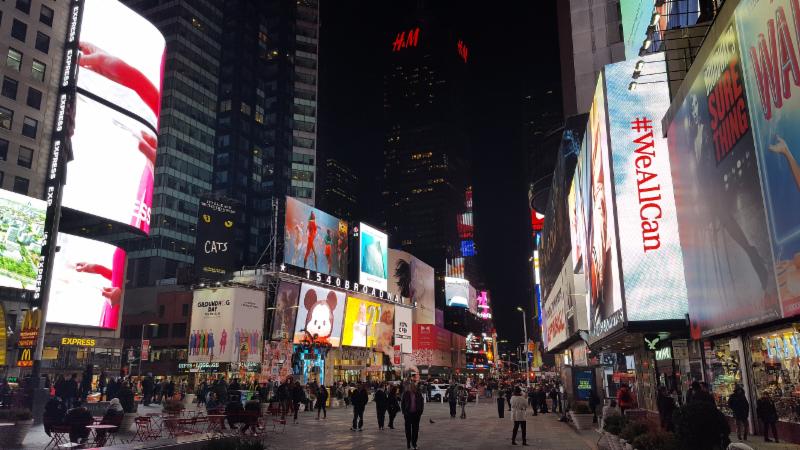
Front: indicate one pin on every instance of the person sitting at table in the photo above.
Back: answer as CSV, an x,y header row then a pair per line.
x,y
213,404
113,416
252,409
77,418
234,410
54,412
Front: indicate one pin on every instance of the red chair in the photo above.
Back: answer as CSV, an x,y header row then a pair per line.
x,y
59,434
145,430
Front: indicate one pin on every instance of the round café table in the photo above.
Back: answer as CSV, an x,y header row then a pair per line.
x,y
100,440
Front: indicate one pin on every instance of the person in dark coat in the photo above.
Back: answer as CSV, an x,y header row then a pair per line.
x,y
298,396
380,405
741,411
452,399
666,406
594,403
234,411
252,409
71,391
102,384
126,397
54,413
147,390
86,382
533,400
501,405
359,400
541,396
77,418
508,393
392,405
768,415
412,406
322,401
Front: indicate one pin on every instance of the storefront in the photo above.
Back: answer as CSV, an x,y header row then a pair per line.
x,y
67,354
354,364
775,356
724,361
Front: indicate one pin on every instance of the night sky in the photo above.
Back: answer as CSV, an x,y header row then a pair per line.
x,y
513,49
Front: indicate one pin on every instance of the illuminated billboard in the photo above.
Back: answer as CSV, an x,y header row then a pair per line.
x,y
374,257
468,248
116,112
403,329
319,315
227,325
601,243
315,239
87,283
721,219
650,252
414,282
636,17
21,236
368,324
457,292
774,103
215,249
285,315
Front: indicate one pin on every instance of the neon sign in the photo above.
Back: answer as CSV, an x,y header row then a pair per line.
x,y
463,51
406,39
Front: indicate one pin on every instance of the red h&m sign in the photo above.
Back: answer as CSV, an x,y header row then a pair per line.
x,y
463,51
406,39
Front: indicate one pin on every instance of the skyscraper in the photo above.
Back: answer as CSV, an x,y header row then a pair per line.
x,y
33,33
267,120
185,159
338,190
426,147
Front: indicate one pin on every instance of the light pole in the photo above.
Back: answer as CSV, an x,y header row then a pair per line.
x,y
525,330
141,347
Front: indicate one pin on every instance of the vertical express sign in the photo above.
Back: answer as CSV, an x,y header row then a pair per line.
x,y
215,252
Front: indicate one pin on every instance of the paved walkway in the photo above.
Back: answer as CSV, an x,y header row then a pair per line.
x,y
482,429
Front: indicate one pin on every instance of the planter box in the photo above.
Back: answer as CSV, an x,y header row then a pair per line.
x,y
12,437
582,421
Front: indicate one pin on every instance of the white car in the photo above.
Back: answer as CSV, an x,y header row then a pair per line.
x,y
438,391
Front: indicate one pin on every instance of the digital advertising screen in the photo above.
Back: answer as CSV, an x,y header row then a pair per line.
x,y
227,325
457,292
652,262
555,329
414,282
320,315
403,329
361,318
601,244
87,283
285,315
636,17
374,255
721,219
215,250
774,104
21,236
315,239
116,111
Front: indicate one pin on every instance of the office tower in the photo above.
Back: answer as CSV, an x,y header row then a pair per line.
x,y
338,190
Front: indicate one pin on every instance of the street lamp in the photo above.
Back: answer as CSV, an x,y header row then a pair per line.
x,y
527,364
141,348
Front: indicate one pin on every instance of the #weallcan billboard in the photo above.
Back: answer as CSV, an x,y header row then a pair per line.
x,y
87,283
721,219
769,35
227,325
374,257
649,248
116,111
320,315
314,239
21,236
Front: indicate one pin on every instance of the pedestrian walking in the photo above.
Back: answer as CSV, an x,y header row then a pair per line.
x,y
412,406
392,405
532,401
741,410
594,402
322,399
518,407
501,404
380,405
359,400
666,406
766,412
508,396
298,397
452,399
541,397
463,395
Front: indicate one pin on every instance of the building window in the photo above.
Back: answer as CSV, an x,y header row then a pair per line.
x,y
14,59
225,105
34,98
42,42
29,127
38,69
3,149
46,16
19,30
6,118
245,109
9,88
178,330
25,158
24,6
160,310
185,310
21,185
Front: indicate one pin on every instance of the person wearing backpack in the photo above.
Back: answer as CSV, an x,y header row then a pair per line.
x,y
624,398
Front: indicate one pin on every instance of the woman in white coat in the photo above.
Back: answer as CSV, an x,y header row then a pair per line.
x,y
518,406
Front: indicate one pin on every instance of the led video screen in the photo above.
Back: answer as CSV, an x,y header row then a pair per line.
x,y
374,255
315,239
21,236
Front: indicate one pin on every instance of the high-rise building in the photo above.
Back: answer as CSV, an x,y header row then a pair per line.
x,y
338,190
185,161
32,34
267,120
426,145
590,36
